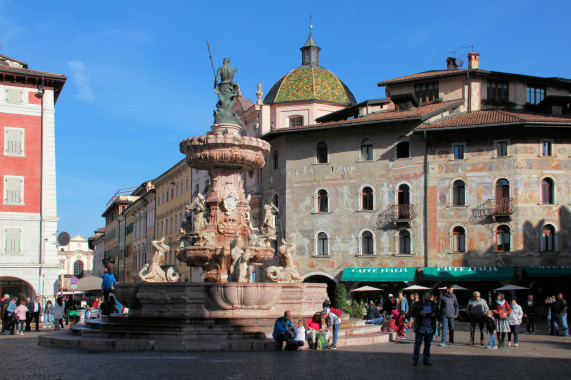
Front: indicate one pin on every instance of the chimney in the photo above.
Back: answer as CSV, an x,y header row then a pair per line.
x,y
451,64
473,60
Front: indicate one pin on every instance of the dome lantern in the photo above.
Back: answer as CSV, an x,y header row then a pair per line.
x,y
310,51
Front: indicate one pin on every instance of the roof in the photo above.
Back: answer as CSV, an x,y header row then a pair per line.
x,y
351,110
493,118
448,73
310,83
419,113
310,42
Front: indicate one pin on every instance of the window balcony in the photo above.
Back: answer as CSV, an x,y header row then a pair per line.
x,y
403,213
502,207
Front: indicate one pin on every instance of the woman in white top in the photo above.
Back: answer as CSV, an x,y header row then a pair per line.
x,y
514,320
59,310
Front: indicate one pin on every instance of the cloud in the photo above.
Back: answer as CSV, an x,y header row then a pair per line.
x,y
81,80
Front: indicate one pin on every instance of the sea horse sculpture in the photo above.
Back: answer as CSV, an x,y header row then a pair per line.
x,y
154,272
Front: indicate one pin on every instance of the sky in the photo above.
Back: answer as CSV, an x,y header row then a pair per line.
x,y
140,79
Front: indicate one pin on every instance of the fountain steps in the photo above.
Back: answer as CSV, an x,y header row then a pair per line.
x,y
110,334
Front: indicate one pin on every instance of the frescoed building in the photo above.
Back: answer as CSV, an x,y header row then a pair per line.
x,y
28,212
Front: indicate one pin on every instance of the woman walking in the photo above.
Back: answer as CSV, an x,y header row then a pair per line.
x,y
502,312
514,319
58,312
20,314
48,314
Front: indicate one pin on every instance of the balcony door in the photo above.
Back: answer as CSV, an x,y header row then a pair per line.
x,y
404,202
502,196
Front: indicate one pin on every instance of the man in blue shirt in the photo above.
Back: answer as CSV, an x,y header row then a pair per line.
x,y
106,286
283,330
425,314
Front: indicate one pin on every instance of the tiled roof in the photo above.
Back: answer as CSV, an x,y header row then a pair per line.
x,y
423,75
419,113
307,83
17,70
495,117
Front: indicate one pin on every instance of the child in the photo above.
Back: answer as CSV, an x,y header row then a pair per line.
x,y
492,329
299,339
400,324
20,313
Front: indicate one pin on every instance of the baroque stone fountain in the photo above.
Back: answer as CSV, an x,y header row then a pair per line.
x,y
227,311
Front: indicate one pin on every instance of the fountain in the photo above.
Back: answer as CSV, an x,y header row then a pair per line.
x,y
227,311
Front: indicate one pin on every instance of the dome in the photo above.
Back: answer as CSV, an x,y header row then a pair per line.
x,y
310,83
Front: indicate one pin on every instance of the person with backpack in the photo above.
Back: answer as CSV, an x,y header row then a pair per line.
x,y
334,316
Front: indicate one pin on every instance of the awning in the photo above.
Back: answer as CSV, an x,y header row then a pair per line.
x,y
89,283
547,271
468,273
379,274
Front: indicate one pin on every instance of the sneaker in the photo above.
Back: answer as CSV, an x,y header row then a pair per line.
x,y
509,344
401,337
21,333
488,347
451,343
333,347
494,347
442,344
470,343
533,333
516,345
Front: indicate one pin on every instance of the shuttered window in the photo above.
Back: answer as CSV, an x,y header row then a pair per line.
x,y
13,141
13,96
13,240
13,190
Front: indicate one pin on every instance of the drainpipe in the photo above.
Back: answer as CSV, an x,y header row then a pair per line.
x,y
469,91
40,93
425,200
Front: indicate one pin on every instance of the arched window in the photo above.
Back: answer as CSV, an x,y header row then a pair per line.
x,y
403,149
367,247
367,198
503,238
459,193
322,244
404,242
548,236
322,153
322,201
367,150
547,191
458,239
502,196
276,201
276,157
404,202
78,268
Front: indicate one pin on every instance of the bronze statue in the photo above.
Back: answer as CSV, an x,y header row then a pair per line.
x,y
227,91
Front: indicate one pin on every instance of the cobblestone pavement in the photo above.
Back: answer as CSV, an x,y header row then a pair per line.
x,y
538,357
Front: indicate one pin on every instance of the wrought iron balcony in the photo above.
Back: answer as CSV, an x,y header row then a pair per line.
x,y
500,207
396,214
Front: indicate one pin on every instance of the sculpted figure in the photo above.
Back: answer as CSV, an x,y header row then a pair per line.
x,y
287,273
244,272
198,207
247,211
269,224
235,254
227,92
185,223
154,271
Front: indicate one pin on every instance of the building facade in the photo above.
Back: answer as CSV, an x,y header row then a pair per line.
x,y
28,212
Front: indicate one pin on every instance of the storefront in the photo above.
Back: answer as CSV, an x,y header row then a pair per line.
x,y
389,279
16,288
545,281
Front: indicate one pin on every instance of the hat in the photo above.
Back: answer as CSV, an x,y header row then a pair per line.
x,y
391,295
326,303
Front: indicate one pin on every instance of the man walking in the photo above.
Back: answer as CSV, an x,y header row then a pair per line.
x,y
425,314
477,310
448,310
34,312
28,313
562,319
530,313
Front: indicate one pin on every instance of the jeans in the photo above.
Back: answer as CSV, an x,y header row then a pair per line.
x,y
480,322
564,326
447,323
418,339
531,322
47,320
375,321
335,332
515,330
21,323
492,342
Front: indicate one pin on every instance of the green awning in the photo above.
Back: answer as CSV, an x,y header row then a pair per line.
x,y
468,273
379,274
547,271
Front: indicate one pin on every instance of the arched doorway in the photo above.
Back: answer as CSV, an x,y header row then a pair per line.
x,y
16,287
318,278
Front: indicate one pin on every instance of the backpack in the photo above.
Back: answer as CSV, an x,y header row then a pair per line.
x,y
322,342
336,312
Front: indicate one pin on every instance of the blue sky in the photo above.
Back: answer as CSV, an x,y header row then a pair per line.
x,y
140,80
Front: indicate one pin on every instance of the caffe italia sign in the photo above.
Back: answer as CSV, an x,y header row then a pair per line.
x,y
379,274
468,273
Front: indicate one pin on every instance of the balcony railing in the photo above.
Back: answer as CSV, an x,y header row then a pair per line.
x,y
396,214
500,207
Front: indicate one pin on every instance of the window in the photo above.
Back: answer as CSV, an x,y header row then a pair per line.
x,y
547,192
322,153
546,148
458,240
548,237
276,201
459,151
276,157
403,148
13,141
459,193
367,199
404,209
172,193
296,121
78,268
367,247
175,221
13,239
322,244
367,150
498,90
501,148
426,92
503,239
404,243
187,184
176,193
13,190
322,201
535,94
13,96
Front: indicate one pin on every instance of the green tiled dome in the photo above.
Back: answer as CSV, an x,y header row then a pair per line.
x,y
310,83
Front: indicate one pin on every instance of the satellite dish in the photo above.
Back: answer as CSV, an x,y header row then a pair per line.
x,y
63,238
459,62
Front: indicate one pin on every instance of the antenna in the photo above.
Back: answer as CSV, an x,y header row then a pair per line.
x,y
211,61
